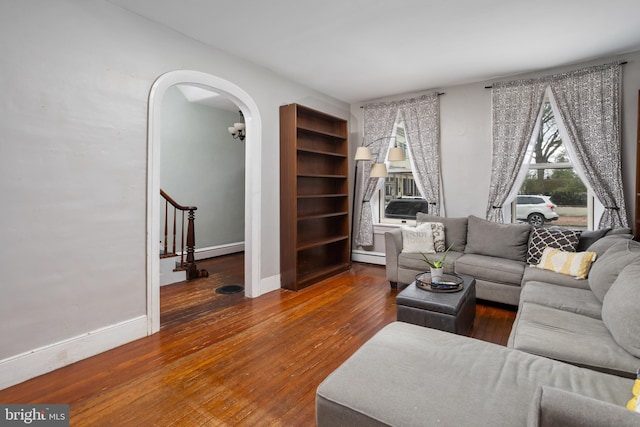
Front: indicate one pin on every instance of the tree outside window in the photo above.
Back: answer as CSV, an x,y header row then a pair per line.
x,y
552,175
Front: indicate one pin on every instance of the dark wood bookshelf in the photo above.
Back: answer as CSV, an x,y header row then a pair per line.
x,y
314,205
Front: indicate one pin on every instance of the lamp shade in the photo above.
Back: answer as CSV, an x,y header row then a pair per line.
x,y
378,170
363,153
396,154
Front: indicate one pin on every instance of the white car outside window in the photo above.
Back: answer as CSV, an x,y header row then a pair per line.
x,y
535,209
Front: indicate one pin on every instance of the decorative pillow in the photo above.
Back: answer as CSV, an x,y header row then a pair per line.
x,y
499,240
575,264
634,403
437,228
418,239
610,264
589,237
621,309
455,229
540,238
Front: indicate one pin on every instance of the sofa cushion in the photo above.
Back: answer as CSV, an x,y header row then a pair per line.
x,y
416,263
489,238
602,245
551,407
541,238
575,264
620,230
606,269
455,229
533,274
493,269
579,340
621,309
574,300
417,239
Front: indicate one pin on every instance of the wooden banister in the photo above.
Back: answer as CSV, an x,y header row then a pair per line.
x,y
189,264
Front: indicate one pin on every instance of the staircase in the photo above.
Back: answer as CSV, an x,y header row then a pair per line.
x,y
177,257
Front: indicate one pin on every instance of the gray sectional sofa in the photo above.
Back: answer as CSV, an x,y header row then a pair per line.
x,y
494,254
572,354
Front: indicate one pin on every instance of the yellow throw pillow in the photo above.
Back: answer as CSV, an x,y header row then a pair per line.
x,y
572,263
634,404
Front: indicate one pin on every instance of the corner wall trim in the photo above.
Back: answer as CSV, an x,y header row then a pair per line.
x,y
269,284
30,364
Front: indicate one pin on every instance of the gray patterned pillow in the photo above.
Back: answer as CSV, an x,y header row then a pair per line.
x,y
540,238
438,235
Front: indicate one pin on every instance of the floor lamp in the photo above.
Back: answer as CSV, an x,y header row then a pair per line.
x,y
378,170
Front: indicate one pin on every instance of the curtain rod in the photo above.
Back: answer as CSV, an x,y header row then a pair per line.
x,y
437,93
491,87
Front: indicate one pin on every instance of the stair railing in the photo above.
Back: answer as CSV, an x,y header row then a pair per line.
x,y
189,264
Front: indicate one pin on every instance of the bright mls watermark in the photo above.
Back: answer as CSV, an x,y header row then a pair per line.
x,y
34,415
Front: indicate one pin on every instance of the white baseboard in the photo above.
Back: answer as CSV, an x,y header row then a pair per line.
x,y
368,257
22,367
214,251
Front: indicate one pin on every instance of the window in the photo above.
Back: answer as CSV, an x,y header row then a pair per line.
x,y
400,198
552,193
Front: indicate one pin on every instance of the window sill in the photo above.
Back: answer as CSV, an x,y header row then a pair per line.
x,y
382,227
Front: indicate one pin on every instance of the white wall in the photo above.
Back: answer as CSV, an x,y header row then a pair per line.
x,y
76,77
202,166
465,120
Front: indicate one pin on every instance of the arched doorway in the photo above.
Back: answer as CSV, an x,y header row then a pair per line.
x,y
252,181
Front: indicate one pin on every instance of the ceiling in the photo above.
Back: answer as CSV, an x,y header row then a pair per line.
x,y
357,50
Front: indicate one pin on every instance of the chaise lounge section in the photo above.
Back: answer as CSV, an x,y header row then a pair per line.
x,y
407,375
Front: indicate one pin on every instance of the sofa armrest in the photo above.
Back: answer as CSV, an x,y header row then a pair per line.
x,y
392,249
554,408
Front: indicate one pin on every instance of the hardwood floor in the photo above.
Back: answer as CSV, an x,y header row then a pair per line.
x,y
223,360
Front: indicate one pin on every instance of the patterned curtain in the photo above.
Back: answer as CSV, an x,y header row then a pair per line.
x,y
379,120
589,105
422,124
516,107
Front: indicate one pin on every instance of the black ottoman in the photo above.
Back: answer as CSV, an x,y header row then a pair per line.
x,y
451,312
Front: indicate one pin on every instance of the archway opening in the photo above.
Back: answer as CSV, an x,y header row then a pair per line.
x,y
252,181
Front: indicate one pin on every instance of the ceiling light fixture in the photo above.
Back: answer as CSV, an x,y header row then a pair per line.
x,y
237,131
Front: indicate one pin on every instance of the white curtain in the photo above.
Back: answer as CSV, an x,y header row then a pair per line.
x,y
421,118
516,109
379,120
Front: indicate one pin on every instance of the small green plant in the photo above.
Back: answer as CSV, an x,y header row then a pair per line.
x,y
436,264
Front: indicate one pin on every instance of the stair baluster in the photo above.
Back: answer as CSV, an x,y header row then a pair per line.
x,y
189,265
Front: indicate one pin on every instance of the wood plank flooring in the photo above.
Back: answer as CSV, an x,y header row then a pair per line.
x,y
227,360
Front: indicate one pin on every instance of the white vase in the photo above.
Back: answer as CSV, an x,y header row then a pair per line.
x,y
436,274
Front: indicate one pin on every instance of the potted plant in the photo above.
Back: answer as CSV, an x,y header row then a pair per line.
x,y
436,267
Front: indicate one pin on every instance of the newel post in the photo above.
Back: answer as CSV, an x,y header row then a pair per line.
x,y
192,271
